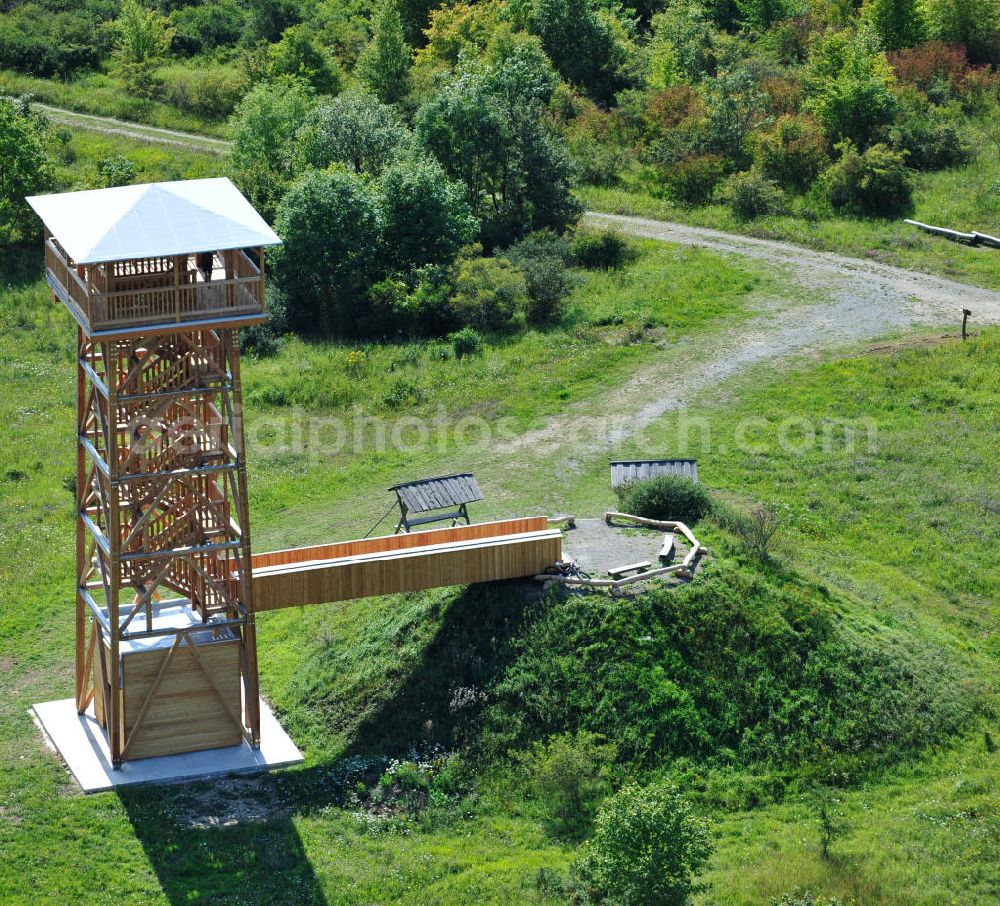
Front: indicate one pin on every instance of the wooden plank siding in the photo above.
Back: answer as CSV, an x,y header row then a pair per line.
x,y
379,566
624,472
438,493
184,713
155,295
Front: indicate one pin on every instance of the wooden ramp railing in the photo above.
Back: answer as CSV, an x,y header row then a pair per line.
x,y
486,552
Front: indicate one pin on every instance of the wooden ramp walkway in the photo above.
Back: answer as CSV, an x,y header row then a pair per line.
x,y
485,552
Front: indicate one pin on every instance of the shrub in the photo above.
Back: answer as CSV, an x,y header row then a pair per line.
x,y
603,250
929,138
752,195
114,170
426,218
665,110
793,153
930,64
756,529
403,392
595,140
785,94
541,257
569,773
692,180
389,312
665,497
466,342
211,91
490,293
647,849
875,183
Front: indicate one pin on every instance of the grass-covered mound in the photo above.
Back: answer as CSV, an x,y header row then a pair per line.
x,y
738,665
743,666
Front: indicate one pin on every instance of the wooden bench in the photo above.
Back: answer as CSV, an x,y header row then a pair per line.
x,y
640,567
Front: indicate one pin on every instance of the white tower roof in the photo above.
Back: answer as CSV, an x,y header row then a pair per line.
x,y
152,220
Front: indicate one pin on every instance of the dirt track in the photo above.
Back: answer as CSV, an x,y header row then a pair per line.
x,y
925,296
105,125
844,301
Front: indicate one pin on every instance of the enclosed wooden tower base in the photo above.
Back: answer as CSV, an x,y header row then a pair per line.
x,y
178,693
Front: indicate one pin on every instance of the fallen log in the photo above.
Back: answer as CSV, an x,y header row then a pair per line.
x,y
975,238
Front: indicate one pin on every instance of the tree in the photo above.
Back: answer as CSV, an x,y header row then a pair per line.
x,y
972,23
298,55
142,39
587,44
454,29
262,160
736,107
269,18
680,46
25,167
487,128
330,229
898,23
384,64
760,15
355,129
647,848
426,218
848,84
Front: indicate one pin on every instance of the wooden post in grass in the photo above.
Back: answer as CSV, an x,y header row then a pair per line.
x,y
965,321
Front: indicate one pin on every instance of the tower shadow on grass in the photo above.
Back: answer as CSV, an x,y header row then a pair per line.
x,y
438,702
233,839
227,840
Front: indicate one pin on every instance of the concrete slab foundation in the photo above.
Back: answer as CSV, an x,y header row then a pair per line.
x,y
82,745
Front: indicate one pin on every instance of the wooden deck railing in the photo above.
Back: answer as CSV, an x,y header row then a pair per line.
x,y
163,297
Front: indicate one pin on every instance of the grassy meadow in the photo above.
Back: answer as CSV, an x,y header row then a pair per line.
x,y
857,673
99,94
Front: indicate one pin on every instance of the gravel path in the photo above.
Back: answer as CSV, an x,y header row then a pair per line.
x,y
844,301
923,297
105,125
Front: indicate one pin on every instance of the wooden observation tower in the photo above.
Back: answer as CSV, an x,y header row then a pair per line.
x,y
159,278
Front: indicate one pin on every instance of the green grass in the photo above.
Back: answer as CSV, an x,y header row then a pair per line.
x,y
101,95
903,536
77,161
964,198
